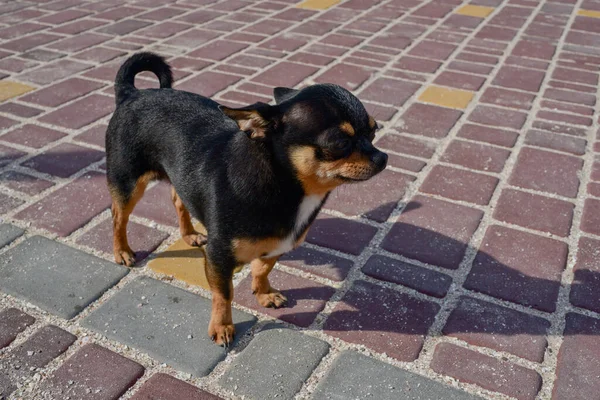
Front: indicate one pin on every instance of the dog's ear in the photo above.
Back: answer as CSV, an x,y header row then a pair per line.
x,y
282,94
253,119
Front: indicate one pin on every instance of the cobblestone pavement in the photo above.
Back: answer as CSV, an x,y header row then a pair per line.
x,y
470,268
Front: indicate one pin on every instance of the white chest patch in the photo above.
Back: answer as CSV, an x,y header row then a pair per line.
x,y
307,207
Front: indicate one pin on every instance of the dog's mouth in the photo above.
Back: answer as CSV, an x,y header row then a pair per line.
x,y
353,179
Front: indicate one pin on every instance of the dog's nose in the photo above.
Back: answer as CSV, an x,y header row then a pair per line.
x,y
380,160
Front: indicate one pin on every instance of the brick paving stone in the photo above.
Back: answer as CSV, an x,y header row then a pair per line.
x,y
359,318
590,220
407,163
156,205
348,76
340,234
433,50
81,112
8,203
62,92
29,42
64,160
351,370
79,42
485,324
424,280
306,298
553,141
192,38
578,360
142,239
168,323
507,98
8,233
417,120
407,145
374,199
475,156
12,322
519,267
274,365
95,135
570,96
433,231
586,281
92,373
486,134
5,123
460,81
458,184
55,277
24,183
472,367
218,50
534,49
594,189
418,64
124,27
35,353
389,91
285,74
51,211
54,71
558,128
569,119
20,110
318,263
208,83
576,109
548,172
535,212
165,387
498,117
519,78
33,136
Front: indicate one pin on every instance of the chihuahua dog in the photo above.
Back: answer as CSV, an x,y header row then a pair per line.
x,y
255,177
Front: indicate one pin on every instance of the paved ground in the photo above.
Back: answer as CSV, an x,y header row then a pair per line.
x,y
470,268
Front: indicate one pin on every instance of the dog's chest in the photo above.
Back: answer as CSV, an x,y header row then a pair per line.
x,y
307,208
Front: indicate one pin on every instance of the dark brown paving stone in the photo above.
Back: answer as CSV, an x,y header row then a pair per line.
x,y
124,27
407,145
64,160
433,50
548,172
460,81
418,64
156,205
8,154
192,38
424,280
20,110
485,324
81,112
389,91
534,49
566,118
407,163
95,135
346,75
519,78
586,282
54,71
553,141
208,83
59,214
285,74
318,263
29,42
519,267
590,220
24,183
13,322
578,360
62,92
93,372
433,231
79,42
570,96
458,184
374,199
36,352
498,117
33,136
475,156
340,234
417,120
218,50
487,134
165,387
507,98
559,128
306,298
535,212
498,376
8,203
496,33
360,318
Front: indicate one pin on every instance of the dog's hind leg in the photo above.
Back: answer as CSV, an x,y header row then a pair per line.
x,y
123,202
188,233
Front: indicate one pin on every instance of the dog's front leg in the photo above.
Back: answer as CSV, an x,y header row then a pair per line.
x,y
261,288
220,329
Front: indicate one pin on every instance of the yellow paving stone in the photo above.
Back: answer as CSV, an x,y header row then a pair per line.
x,y
317,4
475,11
9,89
446,97
589,13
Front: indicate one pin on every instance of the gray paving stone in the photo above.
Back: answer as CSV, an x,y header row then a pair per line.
x,y
8,233
55,277
355,376
274,365
168,323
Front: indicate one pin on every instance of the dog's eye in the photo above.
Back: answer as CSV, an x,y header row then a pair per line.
x,y
340,148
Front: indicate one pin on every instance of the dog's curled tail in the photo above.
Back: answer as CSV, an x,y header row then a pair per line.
x,y
146,61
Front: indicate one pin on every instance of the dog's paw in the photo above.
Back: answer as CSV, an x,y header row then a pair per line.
x,y
195,239
273,299
125,257
221,334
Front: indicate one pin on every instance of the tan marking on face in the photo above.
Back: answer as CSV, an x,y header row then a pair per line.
x,y
348,128
372,122
246,250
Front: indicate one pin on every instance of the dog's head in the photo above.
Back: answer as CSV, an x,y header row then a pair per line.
x,y
324,131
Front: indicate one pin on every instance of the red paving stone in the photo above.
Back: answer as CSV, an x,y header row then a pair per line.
x,y
318,263
340,234
586,280
64,160
458,184
475,156
24,183
359,318
33,136
81,112
165,387
417,120
13,322
60,93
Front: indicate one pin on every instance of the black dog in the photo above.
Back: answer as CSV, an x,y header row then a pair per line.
x,y
256,176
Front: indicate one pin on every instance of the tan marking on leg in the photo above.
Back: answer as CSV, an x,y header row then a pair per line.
x,y
261,288
121,209
188,233
220,329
